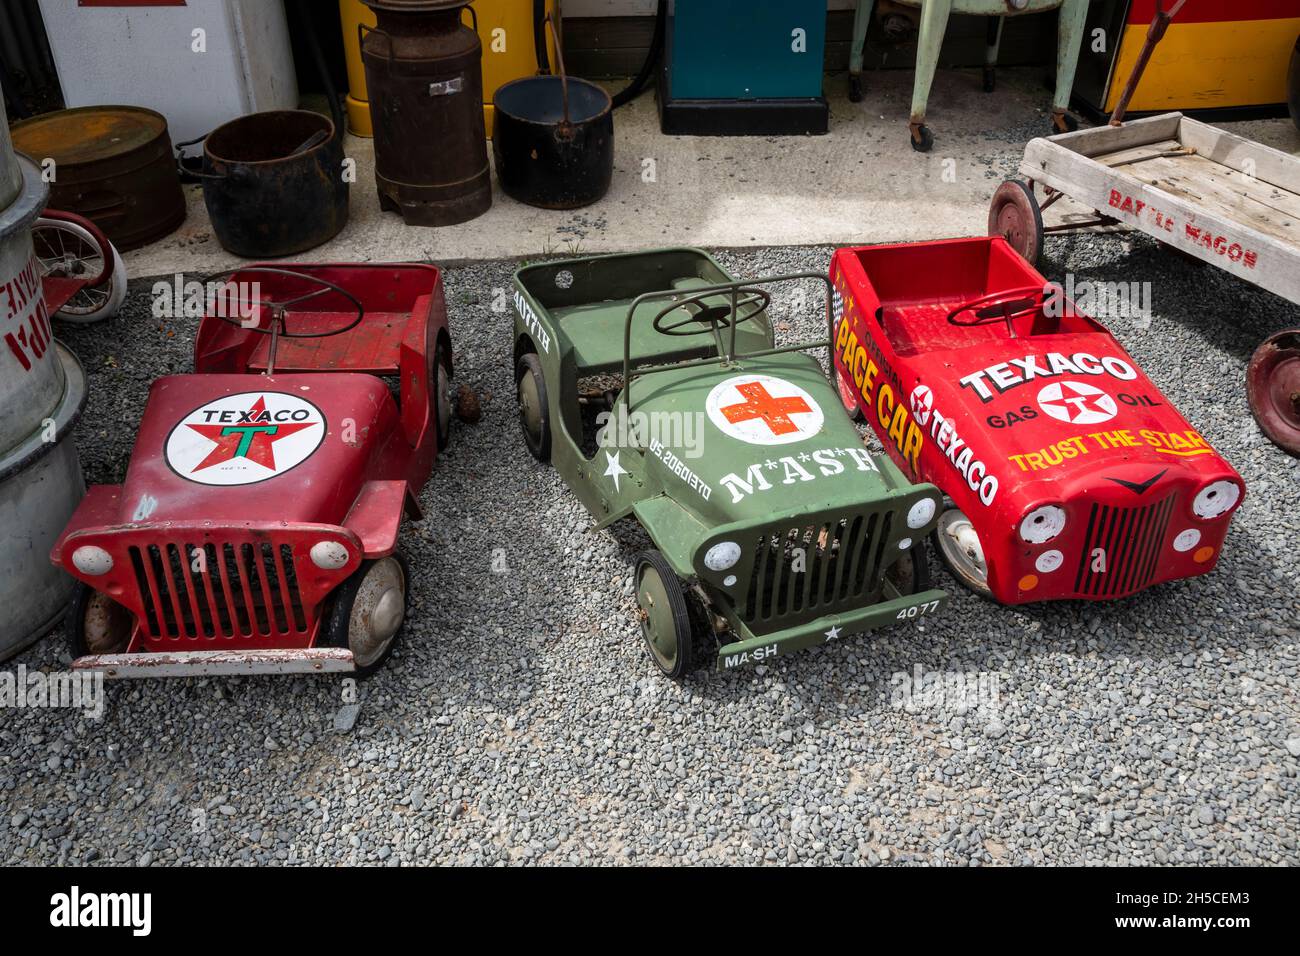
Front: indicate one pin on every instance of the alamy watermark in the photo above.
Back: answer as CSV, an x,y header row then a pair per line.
x,y
1101,300
966,691
683,432
81,690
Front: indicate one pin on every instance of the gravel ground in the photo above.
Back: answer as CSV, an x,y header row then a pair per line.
x,y
520,721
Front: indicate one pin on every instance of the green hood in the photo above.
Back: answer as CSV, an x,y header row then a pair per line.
x,y
803,453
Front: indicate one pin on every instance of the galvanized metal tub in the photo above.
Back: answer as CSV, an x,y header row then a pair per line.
x,y
40,486
31,378
114,165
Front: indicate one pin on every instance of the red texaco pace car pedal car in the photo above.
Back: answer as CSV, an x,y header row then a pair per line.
x,y
256,531
1070,474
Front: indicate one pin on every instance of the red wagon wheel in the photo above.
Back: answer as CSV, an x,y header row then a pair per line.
x,y
1015,216
1273,389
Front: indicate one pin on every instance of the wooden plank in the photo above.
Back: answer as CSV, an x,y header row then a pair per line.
x,y
1228,149
1109,139
1260,207
1210,234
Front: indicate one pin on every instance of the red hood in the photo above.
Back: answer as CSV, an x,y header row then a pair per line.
x,y
1034,404
260,449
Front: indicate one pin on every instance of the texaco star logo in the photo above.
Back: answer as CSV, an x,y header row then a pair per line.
x,y
246,438
1077,403
763,410
922,404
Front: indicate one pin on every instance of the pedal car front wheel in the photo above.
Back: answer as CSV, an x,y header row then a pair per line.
x,y
960,548
369,609
99,624
534,407
441,398
665,617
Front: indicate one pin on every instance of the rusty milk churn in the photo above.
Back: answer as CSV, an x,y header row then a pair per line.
x,y
425,80
42,392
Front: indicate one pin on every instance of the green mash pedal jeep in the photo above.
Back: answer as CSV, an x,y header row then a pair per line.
x,y
652,383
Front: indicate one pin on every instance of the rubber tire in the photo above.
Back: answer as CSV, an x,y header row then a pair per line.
x,y
1281,347
1029,242
851,406
441,396
926,142
77,623
920,565
117,281
985,592
335,628
855,87
529,364
688,648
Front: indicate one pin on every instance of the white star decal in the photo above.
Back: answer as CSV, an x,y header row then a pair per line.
x,y
614,469
833,633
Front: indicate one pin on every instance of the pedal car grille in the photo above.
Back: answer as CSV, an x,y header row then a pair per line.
x,y
807,571
218,590
1121,549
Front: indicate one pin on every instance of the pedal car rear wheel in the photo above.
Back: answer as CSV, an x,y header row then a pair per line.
x,y
534,407
844,385
960,548
65,248
1014,215
665,617
99,624
441,397
368,613
1273,389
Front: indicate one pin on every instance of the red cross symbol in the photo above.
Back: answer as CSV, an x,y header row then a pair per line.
x,y
775,412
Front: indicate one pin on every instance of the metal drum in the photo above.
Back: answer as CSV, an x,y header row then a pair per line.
x,y
31,378
114,166
11,178
425,82
40,487
42,391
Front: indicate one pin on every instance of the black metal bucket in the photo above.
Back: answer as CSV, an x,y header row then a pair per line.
x,y
553,140
273,183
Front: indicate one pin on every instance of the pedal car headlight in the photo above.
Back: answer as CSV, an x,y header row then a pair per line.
x,y
1215,499
1042,524
921,513
89,559
329,555
722,556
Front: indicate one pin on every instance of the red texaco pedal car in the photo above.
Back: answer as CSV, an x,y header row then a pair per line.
x,y
1070,475
256,531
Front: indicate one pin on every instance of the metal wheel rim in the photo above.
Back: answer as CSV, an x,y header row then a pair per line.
x,y
847,398
105,625
657,622
74,252
974,573
443,399
1273,389
530,404
375,621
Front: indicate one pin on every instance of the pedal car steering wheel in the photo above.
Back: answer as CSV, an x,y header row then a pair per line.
x,y
1002,305
277,324
714,316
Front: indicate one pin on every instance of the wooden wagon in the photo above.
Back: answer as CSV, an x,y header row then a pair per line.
x,y
1216,196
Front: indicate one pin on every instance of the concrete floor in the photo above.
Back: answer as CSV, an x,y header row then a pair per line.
x,y
860,183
